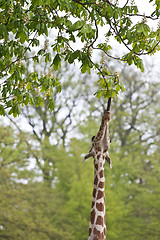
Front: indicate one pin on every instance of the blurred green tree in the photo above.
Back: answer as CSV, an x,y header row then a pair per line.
x,y
56,199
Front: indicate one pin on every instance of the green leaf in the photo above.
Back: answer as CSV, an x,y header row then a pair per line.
x,y
51,104
23,37
139,63
85,68
48,57
86,28
2,110
56,62
74,55
41,52
118,87
28,99
59,88
99,94
158,35
113,93
146,29
29,86
143,28
77,25
122,87
15,110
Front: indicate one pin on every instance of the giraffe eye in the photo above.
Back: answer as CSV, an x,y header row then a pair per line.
x,y
92,138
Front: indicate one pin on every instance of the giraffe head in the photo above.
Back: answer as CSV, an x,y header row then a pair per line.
x,y
94,137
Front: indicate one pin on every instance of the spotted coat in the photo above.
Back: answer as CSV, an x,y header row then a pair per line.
x,y
99,151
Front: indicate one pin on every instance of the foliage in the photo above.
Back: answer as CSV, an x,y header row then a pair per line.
x,y
45,189
38,211
77,28
54,128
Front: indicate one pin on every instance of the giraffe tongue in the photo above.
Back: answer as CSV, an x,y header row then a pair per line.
x,y
109,104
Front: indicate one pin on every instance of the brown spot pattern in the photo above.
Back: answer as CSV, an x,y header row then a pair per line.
x,y
101,173
93,204
100,207
96,206
94,192
96,232
101,185
105,150
98,235
100,194
96,238
101,237
96,180
99,220
92,216
96,166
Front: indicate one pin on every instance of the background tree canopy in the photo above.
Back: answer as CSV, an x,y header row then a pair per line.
x,y
46,191
82,30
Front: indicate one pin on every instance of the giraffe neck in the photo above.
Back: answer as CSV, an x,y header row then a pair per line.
x,y
97,228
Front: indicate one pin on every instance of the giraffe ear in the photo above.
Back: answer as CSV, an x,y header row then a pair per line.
x,y
85,158
109,161
90,154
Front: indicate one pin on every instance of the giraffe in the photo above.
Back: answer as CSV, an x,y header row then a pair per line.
x,y
99,151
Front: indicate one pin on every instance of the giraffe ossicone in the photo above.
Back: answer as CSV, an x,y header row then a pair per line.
x,y
99,151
